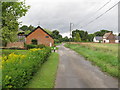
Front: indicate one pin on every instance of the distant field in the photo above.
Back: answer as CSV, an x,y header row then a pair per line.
x,y
104,56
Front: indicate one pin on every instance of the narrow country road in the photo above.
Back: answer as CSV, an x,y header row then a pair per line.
x,y
75,72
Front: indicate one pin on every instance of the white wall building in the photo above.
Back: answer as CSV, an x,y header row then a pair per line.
x,y
97,39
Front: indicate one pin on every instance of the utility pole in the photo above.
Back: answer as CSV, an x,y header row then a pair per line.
x,y
70,29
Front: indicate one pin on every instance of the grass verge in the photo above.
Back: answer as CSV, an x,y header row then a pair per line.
x,y
105,60
45,77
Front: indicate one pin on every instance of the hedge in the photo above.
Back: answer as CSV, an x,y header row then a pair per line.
x,y
18,69
30,46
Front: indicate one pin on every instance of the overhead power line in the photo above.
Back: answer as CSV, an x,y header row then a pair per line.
x,y
103,6
100,8
100,15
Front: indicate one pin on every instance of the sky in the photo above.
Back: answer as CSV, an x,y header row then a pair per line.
x,y
58,14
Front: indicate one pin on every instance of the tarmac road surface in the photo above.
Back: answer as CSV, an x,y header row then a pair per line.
x,y
76,72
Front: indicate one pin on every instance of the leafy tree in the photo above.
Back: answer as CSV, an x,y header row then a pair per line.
x,y
77,37
119,34
27,32
11,12
71,39
101,32
24,28
90,37
31,28
66,39
56,35
83,34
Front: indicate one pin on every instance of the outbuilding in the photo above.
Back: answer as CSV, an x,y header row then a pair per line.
x,y
97,39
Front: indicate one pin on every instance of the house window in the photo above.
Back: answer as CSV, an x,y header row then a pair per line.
x,y
34,41
47,36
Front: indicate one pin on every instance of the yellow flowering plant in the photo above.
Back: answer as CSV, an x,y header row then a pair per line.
x,y
20,68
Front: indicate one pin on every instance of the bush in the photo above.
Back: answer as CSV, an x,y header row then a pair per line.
x,y
17,70
30,46
40,46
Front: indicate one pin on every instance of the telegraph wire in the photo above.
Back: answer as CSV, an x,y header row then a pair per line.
x,y
100,15
101,7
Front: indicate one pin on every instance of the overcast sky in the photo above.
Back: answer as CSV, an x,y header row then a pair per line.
x,y
57,14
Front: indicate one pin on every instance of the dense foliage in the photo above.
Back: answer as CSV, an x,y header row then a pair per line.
x,y
85,37
101,32
30,46
57,36
18,69
82,36
46,75
11,12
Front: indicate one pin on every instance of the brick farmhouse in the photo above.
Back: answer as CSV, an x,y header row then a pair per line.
x,y
41,36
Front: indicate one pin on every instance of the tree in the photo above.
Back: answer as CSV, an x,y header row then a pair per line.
x,y
66,39
101,32
31,28
77,37
90,37
83,34
56,35
119,34
11,12
24,28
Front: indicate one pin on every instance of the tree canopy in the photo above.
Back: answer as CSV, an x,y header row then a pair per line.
x,y
57,36
101,32
83,34
77,37
11,12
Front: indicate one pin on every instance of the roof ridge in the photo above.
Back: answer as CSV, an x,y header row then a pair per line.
x,y
41,29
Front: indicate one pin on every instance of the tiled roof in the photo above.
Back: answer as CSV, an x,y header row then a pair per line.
x,y
41,29
106,35
117,37
98,38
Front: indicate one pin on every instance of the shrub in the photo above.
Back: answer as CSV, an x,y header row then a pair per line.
x,y
18,69
29,46
40,46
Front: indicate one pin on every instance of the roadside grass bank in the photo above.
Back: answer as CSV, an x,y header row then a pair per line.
x,y
106,60
46,75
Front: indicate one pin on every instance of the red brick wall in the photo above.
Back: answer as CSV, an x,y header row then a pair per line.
x,y
16,44
40,35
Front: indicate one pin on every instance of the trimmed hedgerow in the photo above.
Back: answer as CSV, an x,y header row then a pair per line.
x,y
19,69
30,46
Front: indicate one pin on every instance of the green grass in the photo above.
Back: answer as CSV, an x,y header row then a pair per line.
x,y
57,44
45,77
107,61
